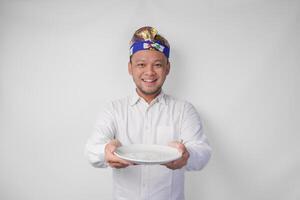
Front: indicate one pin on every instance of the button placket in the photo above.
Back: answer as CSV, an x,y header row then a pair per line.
x,y
146,120
147,126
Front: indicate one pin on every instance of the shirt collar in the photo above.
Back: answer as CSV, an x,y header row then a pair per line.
x,y
135,98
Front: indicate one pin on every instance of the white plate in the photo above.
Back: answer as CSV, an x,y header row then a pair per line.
x,y
147,154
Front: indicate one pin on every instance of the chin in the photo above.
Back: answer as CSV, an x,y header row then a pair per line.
x,y
150,92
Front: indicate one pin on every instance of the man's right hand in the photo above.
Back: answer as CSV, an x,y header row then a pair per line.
x,y
112,160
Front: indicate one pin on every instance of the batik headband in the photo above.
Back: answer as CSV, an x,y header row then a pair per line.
x,y
148,44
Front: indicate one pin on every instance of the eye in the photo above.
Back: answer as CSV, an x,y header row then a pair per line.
x,y
140,65
158,65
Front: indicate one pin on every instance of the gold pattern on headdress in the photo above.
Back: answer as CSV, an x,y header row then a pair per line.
x,y
148,33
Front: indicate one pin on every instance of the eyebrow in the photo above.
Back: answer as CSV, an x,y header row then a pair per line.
x,y
140,60
143,60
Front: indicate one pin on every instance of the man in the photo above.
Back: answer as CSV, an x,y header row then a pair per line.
x,y
149,116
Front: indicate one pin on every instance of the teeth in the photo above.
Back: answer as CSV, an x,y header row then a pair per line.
x,y
149,81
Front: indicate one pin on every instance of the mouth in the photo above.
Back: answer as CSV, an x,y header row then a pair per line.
x,y
149,81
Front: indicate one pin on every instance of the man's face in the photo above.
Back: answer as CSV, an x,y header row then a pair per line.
x,y
149,70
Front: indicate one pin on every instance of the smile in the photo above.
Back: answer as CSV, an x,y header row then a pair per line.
x,y
149,80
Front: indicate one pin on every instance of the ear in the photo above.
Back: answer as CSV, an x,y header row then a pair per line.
x,y
130,68
168,67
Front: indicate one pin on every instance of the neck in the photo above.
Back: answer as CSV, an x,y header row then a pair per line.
x,y
148,97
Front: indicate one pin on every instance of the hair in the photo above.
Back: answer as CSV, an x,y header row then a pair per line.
x,y
148,33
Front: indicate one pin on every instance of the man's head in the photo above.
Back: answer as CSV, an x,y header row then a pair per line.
x,y
149,60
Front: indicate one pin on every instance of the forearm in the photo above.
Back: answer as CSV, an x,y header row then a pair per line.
x,y
200,153
95,146
194,139
102,134
95,154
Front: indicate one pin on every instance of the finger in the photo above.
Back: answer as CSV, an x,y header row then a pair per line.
x,y
174,144
116,159
116,142
186,155
177,162
111,148
169,165
113,145
181,147
178,145
181,161
119,162
118,165
112,158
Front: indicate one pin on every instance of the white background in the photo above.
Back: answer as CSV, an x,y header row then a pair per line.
x,y
236,61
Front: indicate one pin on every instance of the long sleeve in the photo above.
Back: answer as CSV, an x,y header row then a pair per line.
x,y
195,140
104,131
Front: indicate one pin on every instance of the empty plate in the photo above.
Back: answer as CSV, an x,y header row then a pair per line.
x,y
147,154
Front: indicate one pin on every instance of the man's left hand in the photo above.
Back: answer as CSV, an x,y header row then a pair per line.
x,y
179,163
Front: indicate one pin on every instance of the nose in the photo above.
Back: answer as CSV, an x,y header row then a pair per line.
x,y
149,70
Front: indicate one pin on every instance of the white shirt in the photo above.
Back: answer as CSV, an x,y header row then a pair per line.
x,y
132,120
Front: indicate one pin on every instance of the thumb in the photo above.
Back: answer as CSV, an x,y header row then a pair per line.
x,y
116,142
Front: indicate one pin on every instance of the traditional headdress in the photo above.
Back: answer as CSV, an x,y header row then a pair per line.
x,y
147,38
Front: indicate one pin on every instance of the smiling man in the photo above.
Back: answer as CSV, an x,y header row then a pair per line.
x,y
149,116
149,70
